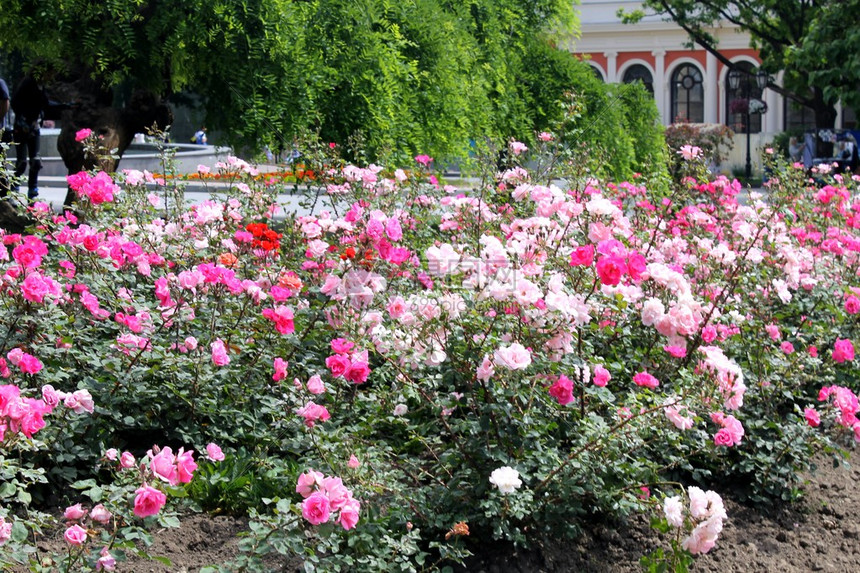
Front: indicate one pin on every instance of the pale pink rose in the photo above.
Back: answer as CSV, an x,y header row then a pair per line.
x,y
148,501
336,492
112,454
308,483
315,508
652,311
100,514
517,147
5,531
690,152
773,331
74,512
400,410
353,462
126,460
79,401
698,502
673,508
485,370
513,357
75,535
315,385
214,453
105,561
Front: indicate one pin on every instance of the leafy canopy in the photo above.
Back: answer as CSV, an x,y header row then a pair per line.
x,y
411,75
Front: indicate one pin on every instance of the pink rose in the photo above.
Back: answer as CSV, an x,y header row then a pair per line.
x,y
163,466
315,508
852,305
610,270
601,375
349,514
101,514
185,465
74,512
126,460
219,353
214,453
82,134
357,372
313,413
280,366
148,501
106,561
353,462
582,256
724,438
646,380
75,535
709,334
341,346
843,350
812,417
315,385
562,390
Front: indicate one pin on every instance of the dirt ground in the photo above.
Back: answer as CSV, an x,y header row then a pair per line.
x,y
822,533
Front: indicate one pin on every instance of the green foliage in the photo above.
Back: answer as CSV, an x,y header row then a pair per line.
x,y
416,76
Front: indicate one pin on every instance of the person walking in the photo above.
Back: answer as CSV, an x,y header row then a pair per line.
x,y
29,103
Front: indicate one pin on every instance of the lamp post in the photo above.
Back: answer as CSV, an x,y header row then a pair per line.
x,y
735,82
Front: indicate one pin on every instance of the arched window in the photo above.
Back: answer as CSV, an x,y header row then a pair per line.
x,y
639,73
597,73
737,100
688,96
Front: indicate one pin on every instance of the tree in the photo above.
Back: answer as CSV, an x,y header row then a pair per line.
x,y
411,75
812,41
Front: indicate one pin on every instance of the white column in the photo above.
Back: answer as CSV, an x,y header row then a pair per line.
x,y
611,67
773,117
660,86
712,90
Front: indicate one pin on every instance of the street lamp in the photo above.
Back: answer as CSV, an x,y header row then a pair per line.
x,y
734,83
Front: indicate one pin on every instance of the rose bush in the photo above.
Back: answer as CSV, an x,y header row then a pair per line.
x,y
412,357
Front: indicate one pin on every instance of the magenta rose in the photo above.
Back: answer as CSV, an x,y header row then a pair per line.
x,y
724,438
610,270
582,256
646,380
843,350
338,364
315,508
562,390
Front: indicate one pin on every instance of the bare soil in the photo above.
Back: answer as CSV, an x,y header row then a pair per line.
x,y
820,533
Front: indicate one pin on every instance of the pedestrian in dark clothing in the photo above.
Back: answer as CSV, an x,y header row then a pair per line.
x,y
29,103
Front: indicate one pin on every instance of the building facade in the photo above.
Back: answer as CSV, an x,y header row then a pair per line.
x,y
688,84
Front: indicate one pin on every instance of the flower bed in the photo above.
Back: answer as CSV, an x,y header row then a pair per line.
x,y
423,366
